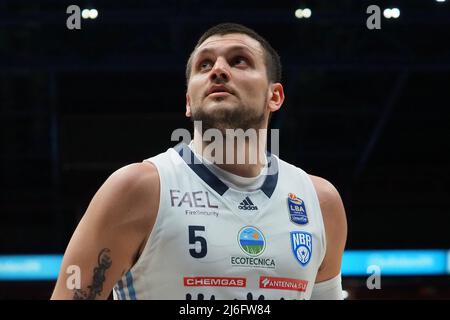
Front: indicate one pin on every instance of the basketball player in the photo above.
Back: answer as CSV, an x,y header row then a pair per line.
x,y
173,228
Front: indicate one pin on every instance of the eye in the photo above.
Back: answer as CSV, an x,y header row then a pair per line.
x,y
240,60
205,65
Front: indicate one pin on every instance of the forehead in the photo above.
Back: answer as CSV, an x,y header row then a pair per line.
x,y
230,41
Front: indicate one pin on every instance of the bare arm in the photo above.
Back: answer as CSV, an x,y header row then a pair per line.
x,y
109,237
335,221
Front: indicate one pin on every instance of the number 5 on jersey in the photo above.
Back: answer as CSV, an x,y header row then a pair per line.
x,y
197,241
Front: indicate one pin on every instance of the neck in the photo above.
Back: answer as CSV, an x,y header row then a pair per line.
x,y
241,156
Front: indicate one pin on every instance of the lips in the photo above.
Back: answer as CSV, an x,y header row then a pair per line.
x,y
216,89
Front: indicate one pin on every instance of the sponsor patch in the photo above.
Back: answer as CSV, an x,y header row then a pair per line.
x,y
214,282
283,284
301,243
251,241
297,210
258,262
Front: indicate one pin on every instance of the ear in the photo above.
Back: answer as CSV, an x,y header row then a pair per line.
x,y
188,106
276,96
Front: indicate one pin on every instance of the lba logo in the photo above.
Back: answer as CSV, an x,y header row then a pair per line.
x,y
297,210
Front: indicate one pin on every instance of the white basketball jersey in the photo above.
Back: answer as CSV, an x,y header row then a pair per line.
x,y
212,242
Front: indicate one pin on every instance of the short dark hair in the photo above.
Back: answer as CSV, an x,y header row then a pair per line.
x,y
272,59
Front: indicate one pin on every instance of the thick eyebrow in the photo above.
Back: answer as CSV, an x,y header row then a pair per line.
x,y
230,49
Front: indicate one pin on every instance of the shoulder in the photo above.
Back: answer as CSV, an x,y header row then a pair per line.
x,y
130,192
331,204
335,222
327,193
119,217
135,178
137,190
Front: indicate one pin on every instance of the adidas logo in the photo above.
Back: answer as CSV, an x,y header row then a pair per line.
x,y
247,204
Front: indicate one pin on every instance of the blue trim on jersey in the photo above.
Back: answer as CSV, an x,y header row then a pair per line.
x,y
120,290
200,169
215,183
131,291
271,179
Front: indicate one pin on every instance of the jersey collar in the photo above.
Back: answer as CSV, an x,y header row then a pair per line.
x,y
215,183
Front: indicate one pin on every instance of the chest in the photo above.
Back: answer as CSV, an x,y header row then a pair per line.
x,y
241,233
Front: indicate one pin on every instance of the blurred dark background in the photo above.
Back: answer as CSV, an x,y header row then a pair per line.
x,y
365,109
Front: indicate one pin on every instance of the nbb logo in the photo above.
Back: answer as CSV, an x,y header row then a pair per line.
x,y
214,282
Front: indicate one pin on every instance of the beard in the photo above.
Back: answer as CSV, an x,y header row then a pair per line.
x,y
239,117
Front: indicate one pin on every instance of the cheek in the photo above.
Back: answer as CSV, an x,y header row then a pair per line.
x,y
198,83
256,90
253,86
194,91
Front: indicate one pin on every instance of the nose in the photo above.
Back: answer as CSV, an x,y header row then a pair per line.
x,y
220,71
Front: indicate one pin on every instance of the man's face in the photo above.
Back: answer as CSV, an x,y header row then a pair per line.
x,y
228,86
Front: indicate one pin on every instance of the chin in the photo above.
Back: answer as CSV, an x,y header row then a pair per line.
x,y
221,104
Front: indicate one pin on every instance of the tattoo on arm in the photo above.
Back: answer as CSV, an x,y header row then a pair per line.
x,y
98,278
